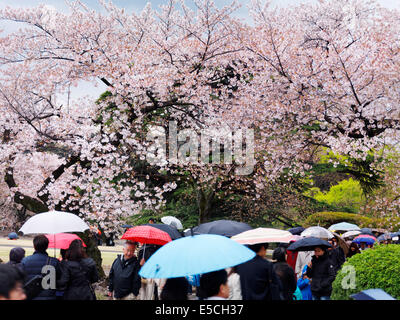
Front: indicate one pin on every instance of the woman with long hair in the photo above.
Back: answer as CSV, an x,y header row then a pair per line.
x,y
353,249
78,273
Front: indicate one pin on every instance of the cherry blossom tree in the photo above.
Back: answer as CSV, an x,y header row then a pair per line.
x,y
165,61
328,74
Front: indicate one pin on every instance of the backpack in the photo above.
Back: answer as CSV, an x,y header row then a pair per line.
x,y
297,295
34,286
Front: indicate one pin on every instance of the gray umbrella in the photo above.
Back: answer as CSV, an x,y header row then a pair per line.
x,y
227,228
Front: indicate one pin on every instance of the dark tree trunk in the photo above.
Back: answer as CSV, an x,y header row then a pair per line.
x,y
205,198
92,250
37,206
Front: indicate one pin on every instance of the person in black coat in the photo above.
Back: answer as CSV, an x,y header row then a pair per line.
x,y
78,272
336,254
33,265
322,273
175,289
257,278
285,273
124,279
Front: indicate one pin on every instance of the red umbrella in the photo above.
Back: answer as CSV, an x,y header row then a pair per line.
x,y
62,240
146,234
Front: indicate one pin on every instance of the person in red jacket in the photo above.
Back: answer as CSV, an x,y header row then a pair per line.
x,y
291,258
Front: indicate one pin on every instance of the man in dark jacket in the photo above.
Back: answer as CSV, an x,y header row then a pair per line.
x,y
34,265
322,273
124,279
257,278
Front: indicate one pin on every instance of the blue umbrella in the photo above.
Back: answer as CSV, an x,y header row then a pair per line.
x,y
193,255
227,228
309,244
372,294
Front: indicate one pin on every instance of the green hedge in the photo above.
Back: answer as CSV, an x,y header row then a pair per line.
x,y
326,219
375,268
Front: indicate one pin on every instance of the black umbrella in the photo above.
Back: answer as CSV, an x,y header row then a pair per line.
x,y
309,244
173,232
227,228
296,230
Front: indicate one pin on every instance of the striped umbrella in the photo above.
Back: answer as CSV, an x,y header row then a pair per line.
x,y
263,235
368,239
147,235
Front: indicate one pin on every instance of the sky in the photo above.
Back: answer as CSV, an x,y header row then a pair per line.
x,y
138,5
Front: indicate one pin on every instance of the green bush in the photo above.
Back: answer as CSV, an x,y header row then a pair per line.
x,y
326,219
345,194
375,268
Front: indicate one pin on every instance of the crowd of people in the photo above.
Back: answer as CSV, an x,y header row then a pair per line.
x,y
289,275
41,277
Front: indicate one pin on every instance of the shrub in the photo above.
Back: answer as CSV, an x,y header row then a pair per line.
x,y
326,219
347,193
375,268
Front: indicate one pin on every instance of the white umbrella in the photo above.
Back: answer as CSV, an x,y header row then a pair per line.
x,y
53,222
172,221
318,232
263,235
351,233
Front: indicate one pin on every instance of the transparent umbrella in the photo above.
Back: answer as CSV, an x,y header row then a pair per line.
x,y
318,232
172,221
